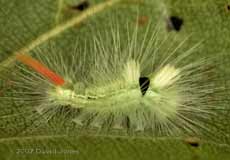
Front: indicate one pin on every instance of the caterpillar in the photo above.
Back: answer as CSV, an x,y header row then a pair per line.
x,y
121,84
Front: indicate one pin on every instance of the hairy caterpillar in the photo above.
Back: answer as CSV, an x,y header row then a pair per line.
x,y
103,86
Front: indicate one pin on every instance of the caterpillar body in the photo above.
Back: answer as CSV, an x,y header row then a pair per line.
x,y
104,86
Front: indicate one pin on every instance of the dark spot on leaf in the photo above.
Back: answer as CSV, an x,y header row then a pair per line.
x,y
194,144
142,20
227,7
127,120
81,6
174,23
144,83
192,141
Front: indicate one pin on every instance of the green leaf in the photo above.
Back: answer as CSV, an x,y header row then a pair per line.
x,y
27,26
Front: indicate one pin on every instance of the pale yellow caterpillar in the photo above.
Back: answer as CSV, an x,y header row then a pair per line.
x,y
121,85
